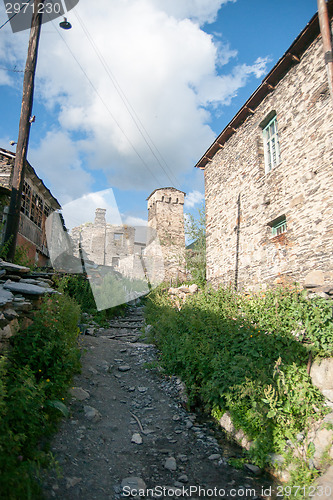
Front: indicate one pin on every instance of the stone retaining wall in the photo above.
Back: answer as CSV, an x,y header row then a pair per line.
x,y
20,297
320,434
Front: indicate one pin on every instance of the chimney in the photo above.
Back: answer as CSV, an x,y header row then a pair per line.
x,y
100,217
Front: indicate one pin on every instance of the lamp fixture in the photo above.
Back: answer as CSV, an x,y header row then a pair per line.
x,y
65,25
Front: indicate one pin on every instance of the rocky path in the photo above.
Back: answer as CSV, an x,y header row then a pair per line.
x,y
129,431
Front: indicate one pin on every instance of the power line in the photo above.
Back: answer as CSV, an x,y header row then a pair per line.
x,y
107,107
24,5
136,119
12,70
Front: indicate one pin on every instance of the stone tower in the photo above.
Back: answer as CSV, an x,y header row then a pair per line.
x,y
166,217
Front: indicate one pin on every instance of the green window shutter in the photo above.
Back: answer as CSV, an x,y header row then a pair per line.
x,y
279,227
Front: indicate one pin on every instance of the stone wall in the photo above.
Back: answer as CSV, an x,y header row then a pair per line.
x,y
242,200
20,297
109,245
6,169
166,216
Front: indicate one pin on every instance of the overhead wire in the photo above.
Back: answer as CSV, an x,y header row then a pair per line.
x,y
10,18
107,108
136,119
12,70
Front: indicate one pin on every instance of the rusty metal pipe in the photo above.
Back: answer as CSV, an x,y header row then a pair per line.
x,y
325,29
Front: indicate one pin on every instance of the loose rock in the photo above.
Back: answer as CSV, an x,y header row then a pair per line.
x,y
133,483
124,368
253,469
79,393
170,463
91,413
136,438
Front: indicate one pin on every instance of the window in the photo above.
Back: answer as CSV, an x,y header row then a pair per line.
x,y
271,144
36,209
47,210
279,225
32,205
26,199
115,261
118,237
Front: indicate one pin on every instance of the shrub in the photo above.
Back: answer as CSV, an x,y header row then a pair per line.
x,y
78,287
247,355
34,377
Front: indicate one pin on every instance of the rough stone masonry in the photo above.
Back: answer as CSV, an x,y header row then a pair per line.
x,y
166,216
244,201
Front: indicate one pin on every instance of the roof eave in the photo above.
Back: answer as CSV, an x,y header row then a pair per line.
x,y
285,63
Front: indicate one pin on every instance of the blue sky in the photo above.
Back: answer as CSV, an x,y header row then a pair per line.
x,y
130,98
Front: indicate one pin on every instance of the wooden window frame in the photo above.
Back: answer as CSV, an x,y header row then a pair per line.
x,y
271,143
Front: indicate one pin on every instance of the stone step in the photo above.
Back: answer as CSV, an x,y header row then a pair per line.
x,y
123,327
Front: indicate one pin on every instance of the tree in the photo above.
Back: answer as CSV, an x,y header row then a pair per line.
x,y
195,229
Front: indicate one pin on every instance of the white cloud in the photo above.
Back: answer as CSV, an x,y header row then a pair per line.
x,y
157,67
197,10
83,209
135,221
4,78
221,89
224,53
57,161
194,198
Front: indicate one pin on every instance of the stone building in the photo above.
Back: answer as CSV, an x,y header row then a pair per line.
x,y
37,204
109,245
166,217
269,179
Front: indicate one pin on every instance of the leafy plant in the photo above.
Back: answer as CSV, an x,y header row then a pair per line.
x,y
195,229
247,354
78,287
34,377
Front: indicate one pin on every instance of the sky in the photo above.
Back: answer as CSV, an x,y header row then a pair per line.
x,y
131,97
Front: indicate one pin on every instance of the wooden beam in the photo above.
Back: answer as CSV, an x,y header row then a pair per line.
x,y
269,86
293,57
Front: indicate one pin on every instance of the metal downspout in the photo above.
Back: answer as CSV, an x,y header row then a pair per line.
x,y
325,29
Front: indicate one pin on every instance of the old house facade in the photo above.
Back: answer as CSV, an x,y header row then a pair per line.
x,y
37,204
153,252
269,179
109,245
166,217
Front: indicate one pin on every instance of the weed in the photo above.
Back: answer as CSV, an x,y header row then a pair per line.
x,y
247,355
34,376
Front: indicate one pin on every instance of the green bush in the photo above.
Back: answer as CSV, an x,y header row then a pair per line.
x,y
34,378
195,230
247,355
78,287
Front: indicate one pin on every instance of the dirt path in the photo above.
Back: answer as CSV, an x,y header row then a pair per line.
x,y
129,430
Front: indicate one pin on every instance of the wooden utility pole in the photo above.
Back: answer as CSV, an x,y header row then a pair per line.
x,y
24,131
325,29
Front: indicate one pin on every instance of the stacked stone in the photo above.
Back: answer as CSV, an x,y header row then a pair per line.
x,y
20,294
178,295
166,217
316,286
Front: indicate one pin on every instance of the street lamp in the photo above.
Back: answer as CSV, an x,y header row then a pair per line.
x,y
65,25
